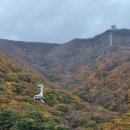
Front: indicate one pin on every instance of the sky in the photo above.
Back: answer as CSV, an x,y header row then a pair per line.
x,y
58,21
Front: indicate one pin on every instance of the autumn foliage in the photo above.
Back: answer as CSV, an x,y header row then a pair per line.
x,y
101,102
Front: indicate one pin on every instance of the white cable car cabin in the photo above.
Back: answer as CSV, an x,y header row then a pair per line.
x,y
40,95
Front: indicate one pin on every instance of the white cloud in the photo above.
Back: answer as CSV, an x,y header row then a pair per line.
x,y
60,20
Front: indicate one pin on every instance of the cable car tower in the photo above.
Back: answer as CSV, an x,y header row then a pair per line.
x,y
113,27
40,96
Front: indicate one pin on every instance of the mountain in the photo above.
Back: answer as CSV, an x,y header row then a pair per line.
x,y
62,109
95,92
61,62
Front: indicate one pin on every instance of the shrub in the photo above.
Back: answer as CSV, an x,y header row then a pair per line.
x,y
8,118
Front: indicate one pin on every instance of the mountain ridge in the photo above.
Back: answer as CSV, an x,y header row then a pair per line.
x,y
60,61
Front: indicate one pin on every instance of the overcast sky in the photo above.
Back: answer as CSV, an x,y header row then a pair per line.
x,y
60,20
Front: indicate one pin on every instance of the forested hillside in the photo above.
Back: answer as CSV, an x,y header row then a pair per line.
x,y
87,84
60,62
62,110
108,85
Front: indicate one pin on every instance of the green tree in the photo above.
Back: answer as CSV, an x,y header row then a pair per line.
x,y
8,119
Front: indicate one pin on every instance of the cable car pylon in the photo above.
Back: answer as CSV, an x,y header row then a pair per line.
x,y
110,44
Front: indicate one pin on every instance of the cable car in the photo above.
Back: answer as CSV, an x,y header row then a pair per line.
x,y
40,96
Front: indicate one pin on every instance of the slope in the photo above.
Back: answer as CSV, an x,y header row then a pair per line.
x,y
60,62
108,85
62,109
